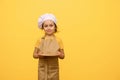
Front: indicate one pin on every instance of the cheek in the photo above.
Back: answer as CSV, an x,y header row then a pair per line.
x,y
52,28
45,28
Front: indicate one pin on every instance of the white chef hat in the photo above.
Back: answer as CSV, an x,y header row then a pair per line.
x,y
45,17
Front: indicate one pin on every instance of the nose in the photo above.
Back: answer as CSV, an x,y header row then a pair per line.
x,y
48,28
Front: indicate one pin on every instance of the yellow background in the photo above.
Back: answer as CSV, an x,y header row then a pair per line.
x,y
90,30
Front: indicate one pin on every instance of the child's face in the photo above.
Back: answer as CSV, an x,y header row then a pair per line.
x,y
49,27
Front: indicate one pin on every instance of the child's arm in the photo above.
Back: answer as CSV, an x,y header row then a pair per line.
x,y
37,53
61,54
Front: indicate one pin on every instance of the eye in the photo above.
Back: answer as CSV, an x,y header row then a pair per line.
x,y
45,25
51,25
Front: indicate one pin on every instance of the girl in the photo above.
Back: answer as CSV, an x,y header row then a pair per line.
x,y
48,49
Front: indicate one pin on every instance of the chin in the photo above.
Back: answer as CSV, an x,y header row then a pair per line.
x,y
50,33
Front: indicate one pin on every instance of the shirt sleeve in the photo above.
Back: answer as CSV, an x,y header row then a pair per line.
x,y
60,43
38,43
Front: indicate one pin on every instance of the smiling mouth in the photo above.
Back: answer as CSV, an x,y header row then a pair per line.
x,y
49,30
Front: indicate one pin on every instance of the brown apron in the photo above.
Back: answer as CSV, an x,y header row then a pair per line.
x,y
48,68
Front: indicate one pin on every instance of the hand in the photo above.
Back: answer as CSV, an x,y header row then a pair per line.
x,y
40,54
60,54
